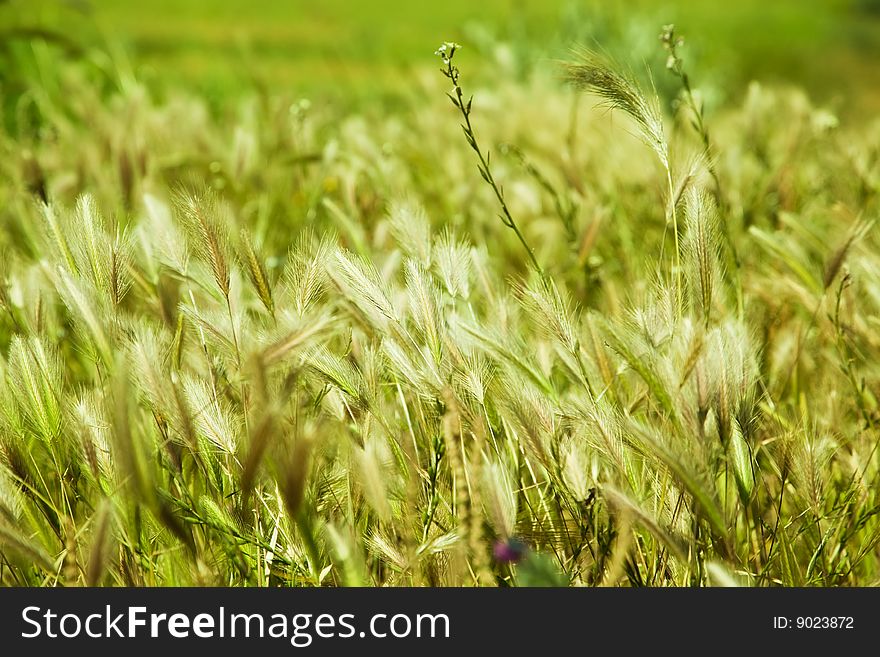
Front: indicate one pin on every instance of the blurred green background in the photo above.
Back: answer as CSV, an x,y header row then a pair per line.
x,y
353,49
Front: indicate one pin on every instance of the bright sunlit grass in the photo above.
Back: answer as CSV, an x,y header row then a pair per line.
x,y
577,340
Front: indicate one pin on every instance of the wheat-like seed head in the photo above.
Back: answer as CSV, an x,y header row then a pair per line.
x,y
592,73
256,271
702,247
500,496
207,221
212,417
361,284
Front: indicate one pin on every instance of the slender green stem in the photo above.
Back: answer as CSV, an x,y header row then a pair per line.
x,y
446,52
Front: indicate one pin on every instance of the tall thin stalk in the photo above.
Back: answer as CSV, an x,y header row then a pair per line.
x,y
446,53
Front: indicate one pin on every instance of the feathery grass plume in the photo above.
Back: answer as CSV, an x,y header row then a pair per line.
x,y
306,271
119,257
674,63
424,307
216,516
361,284
644,364
161,239
213,419
603,434
387,552
256,270
93,429
811,458
57,235
411,229
554,316
473,377
452,262
719,574
79,297
36,384
207,221
103,260
439,544
486,281
340,372
149,357
686,363
533,420
689,346
372,466
688,177
701,247
212,325
577,467
654,321
420,373
732,365
593,73
552,313
183,415
91,240
373,367
499,496
508,349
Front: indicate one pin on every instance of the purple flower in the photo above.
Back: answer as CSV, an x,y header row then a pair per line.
x,y
509,551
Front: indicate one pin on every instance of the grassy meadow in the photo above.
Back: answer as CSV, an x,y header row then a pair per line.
x,y
287,298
